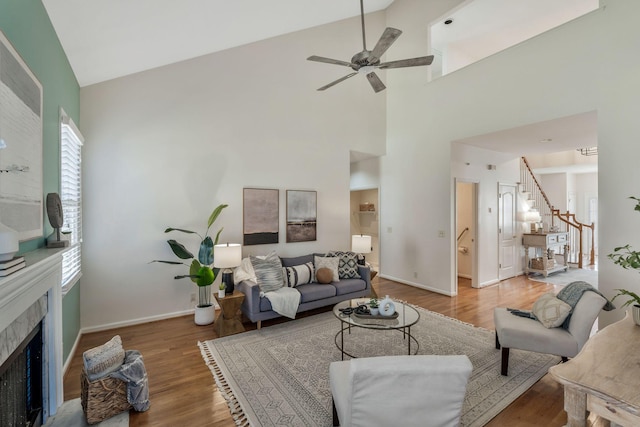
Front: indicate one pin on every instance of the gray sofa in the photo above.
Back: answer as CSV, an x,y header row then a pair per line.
x,y
312,295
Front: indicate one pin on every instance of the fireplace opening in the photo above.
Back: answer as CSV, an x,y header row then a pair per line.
x,y
21,384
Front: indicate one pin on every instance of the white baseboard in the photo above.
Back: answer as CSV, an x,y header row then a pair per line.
x,y
418,285
465,276
134,321
67,362
489,283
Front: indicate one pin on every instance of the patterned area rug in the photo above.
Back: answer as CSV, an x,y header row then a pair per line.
x,y
566,277
279,375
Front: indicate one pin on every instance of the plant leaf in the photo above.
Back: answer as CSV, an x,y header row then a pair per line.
x,y
218,236
179,229
193,271
205,255
214,215
179,250
168,262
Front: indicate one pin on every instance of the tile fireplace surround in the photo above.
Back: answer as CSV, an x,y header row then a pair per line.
x,y
25,297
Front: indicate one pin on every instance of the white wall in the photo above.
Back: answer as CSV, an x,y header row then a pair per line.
x,y
164,147
555,186
553,75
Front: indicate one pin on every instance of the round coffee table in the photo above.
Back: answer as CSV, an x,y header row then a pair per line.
x,y
407,316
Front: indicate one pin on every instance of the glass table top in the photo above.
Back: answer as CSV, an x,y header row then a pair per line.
x,y
407,315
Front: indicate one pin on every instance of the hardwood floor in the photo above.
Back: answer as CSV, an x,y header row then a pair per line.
x,y
182,390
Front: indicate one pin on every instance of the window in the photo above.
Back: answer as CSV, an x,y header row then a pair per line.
x,y
71,195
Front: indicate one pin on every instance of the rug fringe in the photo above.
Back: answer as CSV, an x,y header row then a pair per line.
x,y
239,417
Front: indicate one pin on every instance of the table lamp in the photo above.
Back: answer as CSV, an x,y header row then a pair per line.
x,y
361,244
227,256
533,218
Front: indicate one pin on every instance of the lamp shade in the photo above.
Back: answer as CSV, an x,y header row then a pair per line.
x,y
361,244
533,216
228,255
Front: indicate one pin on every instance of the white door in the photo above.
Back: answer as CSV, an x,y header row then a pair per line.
x,y
507,232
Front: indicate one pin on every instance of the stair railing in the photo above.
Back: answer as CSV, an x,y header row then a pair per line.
x,y
567,222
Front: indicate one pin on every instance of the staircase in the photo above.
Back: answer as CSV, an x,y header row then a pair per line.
x,y
580,242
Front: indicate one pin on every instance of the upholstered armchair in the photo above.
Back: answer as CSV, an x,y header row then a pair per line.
x,y
530,334
403,391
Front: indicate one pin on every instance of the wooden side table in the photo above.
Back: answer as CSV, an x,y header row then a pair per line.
x,y
228,322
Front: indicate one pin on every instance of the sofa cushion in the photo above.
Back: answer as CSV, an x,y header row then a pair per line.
x,y
298,274
348,264
314,291
328,262
268,274
347,286
290,262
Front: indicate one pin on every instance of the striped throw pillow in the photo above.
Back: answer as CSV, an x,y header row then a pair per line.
x,y
298,274
268,274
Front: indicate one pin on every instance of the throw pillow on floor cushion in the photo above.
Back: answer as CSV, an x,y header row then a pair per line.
x,y
327,262
298,274
324,275
348,264
104,359
268,274
550,311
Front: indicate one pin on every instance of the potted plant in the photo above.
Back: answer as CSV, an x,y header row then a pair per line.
x,y
373,306
633,299
627,258
200,268
221,290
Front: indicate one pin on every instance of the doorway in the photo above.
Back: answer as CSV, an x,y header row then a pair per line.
x,y
466,222
365,213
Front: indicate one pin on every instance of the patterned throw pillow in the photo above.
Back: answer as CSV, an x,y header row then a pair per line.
x,y
245,270
348,265
268,274
330,262
103,360
550,311
298,274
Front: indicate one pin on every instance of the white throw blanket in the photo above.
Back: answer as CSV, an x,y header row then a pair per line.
x,y
284,301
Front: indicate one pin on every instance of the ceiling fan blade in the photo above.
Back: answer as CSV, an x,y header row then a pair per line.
x,y
413,62
337,81
376,83
388,37
328,60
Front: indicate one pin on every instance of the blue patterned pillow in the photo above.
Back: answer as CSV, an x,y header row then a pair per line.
x,y
298,274
348,264
268,273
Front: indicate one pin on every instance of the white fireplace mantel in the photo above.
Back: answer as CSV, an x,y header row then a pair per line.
x,y
41,276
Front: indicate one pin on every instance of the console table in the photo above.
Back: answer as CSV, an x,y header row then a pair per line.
x,y
545,241
603,377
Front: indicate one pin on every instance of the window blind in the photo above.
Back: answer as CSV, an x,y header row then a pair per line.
x,y
71,196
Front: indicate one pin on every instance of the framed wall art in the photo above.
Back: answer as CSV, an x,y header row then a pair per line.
x,y
21,185
301,216
260,216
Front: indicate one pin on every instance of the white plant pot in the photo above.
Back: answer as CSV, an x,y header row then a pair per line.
x,y
204,315
635,310
221,293
374,311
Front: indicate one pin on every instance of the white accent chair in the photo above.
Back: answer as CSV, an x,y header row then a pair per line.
x,y
529,334
424,391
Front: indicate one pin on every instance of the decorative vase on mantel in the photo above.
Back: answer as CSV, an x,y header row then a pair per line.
x,y
635,311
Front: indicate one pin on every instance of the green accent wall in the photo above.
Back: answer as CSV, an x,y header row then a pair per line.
x,y
27,26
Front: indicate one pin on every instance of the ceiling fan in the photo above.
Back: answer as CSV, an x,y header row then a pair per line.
x,y
367,61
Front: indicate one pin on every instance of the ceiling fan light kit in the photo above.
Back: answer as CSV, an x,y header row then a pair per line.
x,y
367,61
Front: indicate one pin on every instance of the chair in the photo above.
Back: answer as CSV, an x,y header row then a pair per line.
x,y
529,334
399,390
